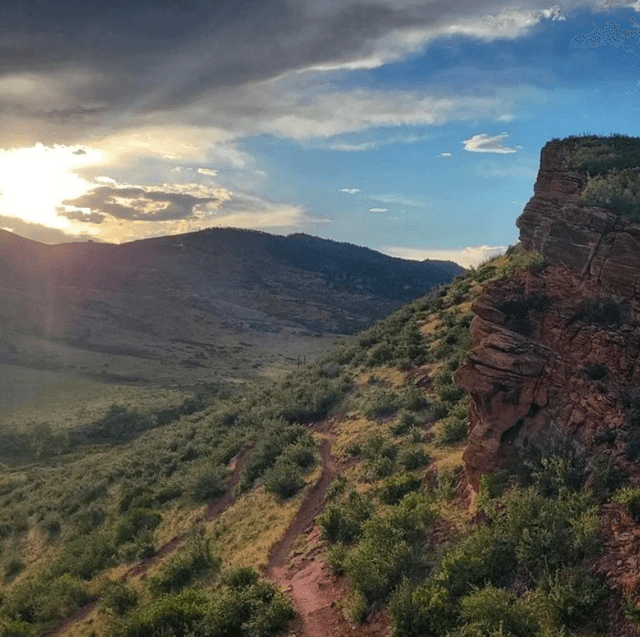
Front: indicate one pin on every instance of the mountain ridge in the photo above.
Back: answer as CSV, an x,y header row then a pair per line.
x,y
188,302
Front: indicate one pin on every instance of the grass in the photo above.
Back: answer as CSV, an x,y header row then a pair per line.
x,y
30,396
247,530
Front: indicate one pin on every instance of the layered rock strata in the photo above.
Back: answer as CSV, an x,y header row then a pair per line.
x,y
556,349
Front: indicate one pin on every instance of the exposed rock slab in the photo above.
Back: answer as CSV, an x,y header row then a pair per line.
x,y
538,379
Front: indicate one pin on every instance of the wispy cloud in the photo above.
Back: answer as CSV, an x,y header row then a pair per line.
x,y
484,143
470,256
378,210
350,191
400,200
445,155
210,172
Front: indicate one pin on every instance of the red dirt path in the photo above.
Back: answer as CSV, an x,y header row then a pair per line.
x,y
314,590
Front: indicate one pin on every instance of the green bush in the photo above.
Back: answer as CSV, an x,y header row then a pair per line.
x,y
284,479
606,477
412,456
629,498
491,608
11,628
598,154
193,562
396,487
240,577
169,616
118,598
209,484
618,189
134,522
422,612
342,522
574,598
13,567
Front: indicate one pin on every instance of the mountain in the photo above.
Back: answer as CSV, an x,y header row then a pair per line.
x,y
189,308
466,467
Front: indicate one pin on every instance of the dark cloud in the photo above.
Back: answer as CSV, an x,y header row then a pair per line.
x,y
143,57
78,215
139,204
80,151
67,114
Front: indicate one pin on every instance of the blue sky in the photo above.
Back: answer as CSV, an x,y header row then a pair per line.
x,y
409,126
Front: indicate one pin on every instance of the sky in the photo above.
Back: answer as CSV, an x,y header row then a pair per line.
x,y
413,127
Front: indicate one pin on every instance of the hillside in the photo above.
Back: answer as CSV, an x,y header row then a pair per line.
x,y
467,467
196,308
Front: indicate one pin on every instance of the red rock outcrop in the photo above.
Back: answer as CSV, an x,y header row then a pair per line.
x,y
557,349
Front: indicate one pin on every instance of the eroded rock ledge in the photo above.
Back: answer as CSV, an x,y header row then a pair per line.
x,y
556,351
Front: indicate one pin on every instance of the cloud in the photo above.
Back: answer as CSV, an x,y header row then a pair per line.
x,y
378,210
470,256
79,215
67,76
484,143
350,191
401,200
610,35
210,172
137,203
444,155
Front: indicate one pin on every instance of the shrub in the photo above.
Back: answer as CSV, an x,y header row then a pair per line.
x,y
381,404
412,456
404,422
422,612
336,556
118,598
606,477
209,484
487,556
259,610
240,577
596,371
343,522
134,522
13,567
629,498
517,310
490,608
284,479
11,628
194,562
171,615
574,597
618,189
396,487
375,566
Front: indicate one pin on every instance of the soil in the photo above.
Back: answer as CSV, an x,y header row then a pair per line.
x,y
315,591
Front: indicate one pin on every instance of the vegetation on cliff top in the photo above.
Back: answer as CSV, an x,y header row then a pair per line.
x,y
612,165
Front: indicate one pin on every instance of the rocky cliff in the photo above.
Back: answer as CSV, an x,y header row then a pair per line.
x,y
556,348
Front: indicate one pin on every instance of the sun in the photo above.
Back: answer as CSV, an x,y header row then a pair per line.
x,y
35,180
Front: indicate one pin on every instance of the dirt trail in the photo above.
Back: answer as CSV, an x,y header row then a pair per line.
x,y
213,509
312,596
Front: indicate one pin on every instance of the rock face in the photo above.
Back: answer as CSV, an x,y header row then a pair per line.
x,y
556,349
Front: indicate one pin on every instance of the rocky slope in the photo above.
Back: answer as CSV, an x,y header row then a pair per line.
x,y
556,348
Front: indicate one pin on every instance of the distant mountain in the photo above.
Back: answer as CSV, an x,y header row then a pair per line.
x,y
197,301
